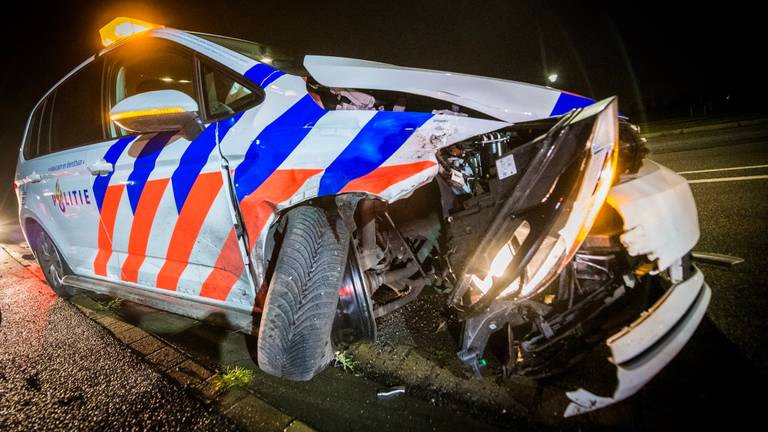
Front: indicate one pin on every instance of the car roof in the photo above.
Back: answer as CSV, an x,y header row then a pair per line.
x,y
231,59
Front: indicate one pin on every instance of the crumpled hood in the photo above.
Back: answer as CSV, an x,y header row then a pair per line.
x,y
510,101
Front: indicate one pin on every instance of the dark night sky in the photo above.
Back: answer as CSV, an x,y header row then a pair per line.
x,y
660,61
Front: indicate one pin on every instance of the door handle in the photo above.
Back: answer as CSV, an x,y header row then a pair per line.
x,y
34,178
101,168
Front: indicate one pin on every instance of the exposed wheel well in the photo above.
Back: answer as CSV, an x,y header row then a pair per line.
x,y
327,203
32,230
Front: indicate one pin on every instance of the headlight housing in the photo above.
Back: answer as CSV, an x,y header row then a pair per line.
x,y
550,211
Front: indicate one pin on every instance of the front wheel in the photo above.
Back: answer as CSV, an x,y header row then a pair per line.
x,y
295,332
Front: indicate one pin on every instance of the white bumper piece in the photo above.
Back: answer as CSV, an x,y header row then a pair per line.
x,y
645,347
659,214
660,221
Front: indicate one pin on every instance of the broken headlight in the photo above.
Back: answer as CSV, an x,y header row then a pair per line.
x,y
539,228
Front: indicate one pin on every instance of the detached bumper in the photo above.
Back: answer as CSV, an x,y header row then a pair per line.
x,y
646,346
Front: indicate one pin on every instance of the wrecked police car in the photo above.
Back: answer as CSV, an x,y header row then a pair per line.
x,y
216,178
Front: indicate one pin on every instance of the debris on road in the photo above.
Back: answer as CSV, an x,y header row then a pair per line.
x,y
390,393
442,326
721,260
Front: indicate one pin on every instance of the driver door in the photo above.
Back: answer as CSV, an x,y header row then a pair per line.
x,y
175,214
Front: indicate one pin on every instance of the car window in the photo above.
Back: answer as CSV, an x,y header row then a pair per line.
x,y
76,116
223,94
277,58
44,129
32,142
147,66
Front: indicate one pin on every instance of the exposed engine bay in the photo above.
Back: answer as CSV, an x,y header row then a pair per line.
x,y
406,246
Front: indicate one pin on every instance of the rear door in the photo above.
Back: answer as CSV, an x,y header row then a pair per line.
x,y
64,140
174,224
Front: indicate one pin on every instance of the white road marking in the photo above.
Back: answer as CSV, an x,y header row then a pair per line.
x,y
726,179
724,169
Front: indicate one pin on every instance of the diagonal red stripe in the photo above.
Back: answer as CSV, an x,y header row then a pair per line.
x,y
199,202
259,206
141,227
106,228
256,209
383,177
227,270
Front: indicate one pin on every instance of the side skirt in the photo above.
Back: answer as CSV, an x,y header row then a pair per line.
x,y
211,311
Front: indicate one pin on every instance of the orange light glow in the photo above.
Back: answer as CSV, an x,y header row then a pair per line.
x,y
599,197
123,27
145,113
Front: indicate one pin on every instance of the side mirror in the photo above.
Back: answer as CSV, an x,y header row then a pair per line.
x,y
158,111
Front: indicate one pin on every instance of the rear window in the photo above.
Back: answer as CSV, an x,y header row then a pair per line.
x,y
38,141
31,145
76,118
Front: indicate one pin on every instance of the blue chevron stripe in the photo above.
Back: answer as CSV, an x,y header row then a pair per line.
x,y
143,166
196,156
568,101
263,74
102,182
379,139
273,145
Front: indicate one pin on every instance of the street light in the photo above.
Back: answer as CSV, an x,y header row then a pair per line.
x,y
552,78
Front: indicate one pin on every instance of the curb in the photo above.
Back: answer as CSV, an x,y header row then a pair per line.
x,y
247,411
705,128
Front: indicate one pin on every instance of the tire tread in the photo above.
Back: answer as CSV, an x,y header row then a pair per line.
x,y
294,336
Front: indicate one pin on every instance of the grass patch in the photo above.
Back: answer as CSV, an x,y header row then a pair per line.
x,y
232,376
344,361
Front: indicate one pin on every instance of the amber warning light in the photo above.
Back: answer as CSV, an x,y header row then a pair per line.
x,y
123,27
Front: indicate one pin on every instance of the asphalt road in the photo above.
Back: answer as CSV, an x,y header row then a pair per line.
x,y
58,369
61,371
733,215
720,375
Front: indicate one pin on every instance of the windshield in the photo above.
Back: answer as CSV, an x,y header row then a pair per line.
x,y
276,58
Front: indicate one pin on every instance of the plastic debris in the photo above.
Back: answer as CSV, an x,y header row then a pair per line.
x,y
390,393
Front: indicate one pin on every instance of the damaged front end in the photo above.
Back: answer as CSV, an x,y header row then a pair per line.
x,y
544,267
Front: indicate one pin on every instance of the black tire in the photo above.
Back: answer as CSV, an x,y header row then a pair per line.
x,y
295,332
51,262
